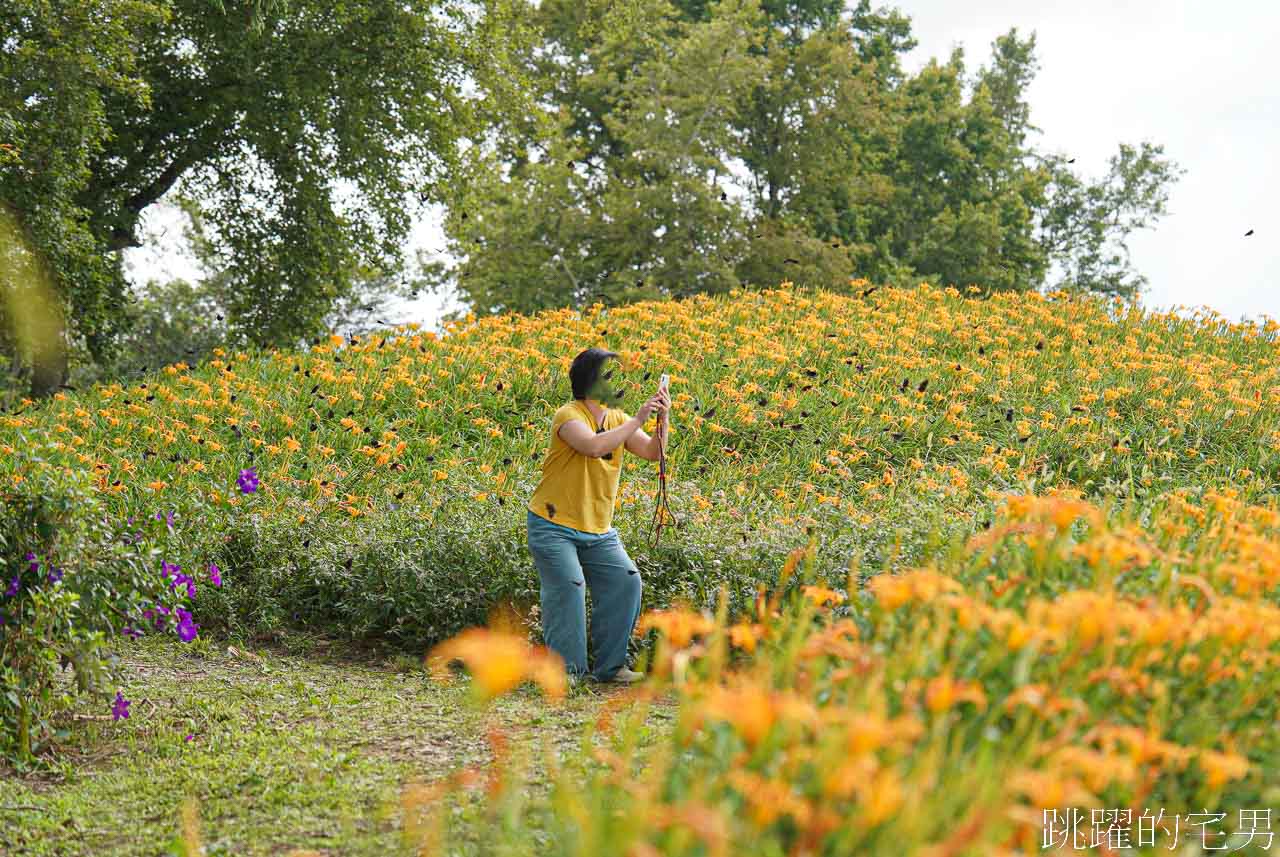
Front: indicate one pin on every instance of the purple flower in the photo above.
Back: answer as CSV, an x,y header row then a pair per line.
x,y
120,708
35,564
248,480
186,628
132,632
189,738
172,570
157,612
14,586
215,576
167,517
55,574
191,588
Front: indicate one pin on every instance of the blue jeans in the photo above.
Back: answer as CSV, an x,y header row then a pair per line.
x,y
565,558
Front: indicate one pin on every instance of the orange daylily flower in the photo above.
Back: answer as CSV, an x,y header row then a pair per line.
x,y
678,626
745,635
499,661
820,596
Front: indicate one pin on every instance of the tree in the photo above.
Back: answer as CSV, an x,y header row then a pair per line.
x,y
815,139
816,158
920,180
963,210
61,64
615,194
1085,226
181,320
305,131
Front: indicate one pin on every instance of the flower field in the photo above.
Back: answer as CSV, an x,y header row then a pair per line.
x,y
393,470
1056,682
974,559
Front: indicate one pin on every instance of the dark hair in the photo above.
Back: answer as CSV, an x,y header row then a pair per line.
x,y
586,369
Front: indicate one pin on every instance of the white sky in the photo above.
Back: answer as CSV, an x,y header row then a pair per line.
x,y
1198,77
1201,78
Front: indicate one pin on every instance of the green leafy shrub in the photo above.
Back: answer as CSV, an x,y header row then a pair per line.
x,y
73,579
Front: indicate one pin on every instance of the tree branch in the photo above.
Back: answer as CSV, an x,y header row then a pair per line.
x,y
124,234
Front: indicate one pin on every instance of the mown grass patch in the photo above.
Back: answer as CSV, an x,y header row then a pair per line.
x,y
302,744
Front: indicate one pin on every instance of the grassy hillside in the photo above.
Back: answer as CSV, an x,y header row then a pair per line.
x,y
1026,549
394,470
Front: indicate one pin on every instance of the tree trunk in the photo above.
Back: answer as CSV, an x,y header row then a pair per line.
x,y
49,368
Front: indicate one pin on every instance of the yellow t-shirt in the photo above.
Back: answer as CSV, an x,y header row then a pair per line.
x,y
577,490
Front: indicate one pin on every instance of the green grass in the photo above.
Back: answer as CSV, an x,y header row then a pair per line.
x,y
301,745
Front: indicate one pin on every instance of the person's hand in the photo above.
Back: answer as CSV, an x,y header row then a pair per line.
x,y
664,402
655,403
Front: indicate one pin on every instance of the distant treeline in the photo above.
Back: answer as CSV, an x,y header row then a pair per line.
x,y
584,150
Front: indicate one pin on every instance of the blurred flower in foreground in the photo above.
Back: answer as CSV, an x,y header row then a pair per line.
x,y
820,596
499,661
753,709
745,635
678,626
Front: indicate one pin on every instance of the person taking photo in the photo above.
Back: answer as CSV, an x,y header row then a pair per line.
x,y
571,536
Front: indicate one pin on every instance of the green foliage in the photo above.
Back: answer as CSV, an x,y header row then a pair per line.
x,y
51,522
170,322
417,580
174,321
570,212
365,305
65,68
697,147
273,138
304,132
